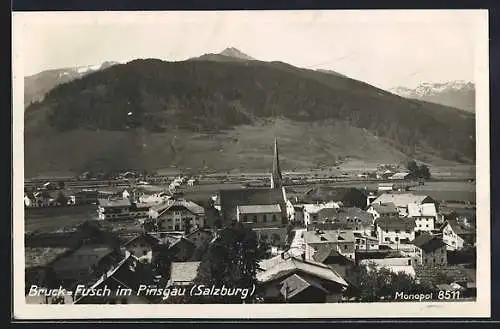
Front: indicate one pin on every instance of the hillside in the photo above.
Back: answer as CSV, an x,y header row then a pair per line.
x,y
37,85
459,94
223,115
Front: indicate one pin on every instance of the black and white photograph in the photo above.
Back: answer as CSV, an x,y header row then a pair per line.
x,y
256,164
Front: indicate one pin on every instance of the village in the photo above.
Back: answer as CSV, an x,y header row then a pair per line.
x,y
322,238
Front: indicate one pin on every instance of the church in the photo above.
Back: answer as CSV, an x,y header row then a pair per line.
x,y
262,209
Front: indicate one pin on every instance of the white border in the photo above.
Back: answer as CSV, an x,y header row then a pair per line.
x,y
479,308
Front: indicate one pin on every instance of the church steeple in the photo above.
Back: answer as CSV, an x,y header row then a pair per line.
x,y
276,177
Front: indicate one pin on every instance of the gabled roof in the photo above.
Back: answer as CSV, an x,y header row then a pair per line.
x,y
260,209
147,237
183,272
401,199
324,252
428,242
295,284
295,265
456,227
173,204
230,199
395,223
385,208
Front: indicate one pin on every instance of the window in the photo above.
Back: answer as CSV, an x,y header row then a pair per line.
x,y
254,219
397,231
274,218
409,262
345,247
387,239
245,218
386,231
144,252
177,227
264,218
407,231
396,239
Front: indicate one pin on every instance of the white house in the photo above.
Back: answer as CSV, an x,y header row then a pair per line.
x,y
125,194
399,176
401,200
450,233
311,210
424,215
392,230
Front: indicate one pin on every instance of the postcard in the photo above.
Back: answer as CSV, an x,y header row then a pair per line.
x,y
251,164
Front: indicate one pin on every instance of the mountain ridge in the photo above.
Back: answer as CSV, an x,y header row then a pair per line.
x,y
226,102
455,93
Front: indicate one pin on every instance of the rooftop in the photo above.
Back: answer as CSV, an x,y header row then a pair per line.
x,y
426,209
400,199
428,242
259,209
385,208
114,203
183,272
294,265
334,236
295,284
395,223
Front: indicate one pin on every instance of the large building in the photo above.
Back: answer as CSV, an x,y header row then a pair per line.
x,y
251,202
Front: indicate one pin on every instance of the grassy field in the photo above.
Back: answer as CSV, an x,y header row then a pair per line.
x,y
57,218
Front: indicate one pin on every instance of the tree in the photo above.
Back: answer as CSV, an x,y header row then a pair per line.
x,y
413,169
61,199
232,261
424,172
377,284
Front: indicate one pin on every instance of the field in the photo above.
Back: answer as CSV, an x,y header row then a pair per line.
x,y
57,218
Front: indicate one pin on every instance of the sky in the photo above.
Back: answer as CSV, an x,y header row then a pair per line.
x,y
384,48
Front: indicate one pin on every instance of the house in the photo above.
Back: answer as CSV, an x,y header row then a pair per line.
x,y
343,218
182,250
395,265
399,176
143,247
183,273
365,242
201,237
294,280
259,215
176,215
342,241
124,283
425,216
394,230
401,200
125,194
430,250
384,187
192,182
310,211
341,264
298,216
451,234
449,274
156,198
83,263
378,210
349,197
84,197
121,209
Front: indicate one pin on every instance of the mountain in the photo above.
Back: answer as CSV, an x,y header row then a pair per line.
x,y
37,85
227,55
459,94
223,115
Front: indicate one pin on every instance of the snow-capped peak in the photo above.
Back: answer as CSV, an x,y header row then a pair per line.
x,y
432,88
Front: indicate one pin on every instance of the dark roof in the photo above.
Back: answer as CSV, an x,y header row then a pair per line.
x,y
295,284
324,252
147,237
326,193
385,208
457,228
395,223
428,242
230,199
